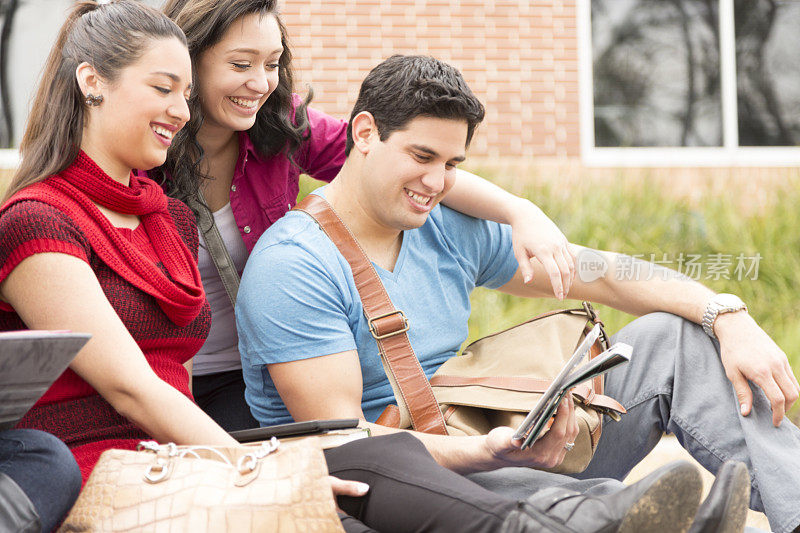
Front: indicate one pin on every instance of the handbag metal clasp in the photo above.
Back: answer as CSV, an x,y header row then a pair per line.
x,y
157,472
373,328
148,445
164,454
248,462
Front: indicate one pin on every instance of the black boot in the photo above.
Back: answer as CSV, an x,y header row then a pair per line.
x,y
664,501
17,513
725,508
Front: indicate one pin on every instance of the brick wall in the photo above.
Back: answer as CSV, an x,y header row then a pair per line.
x,y
519,56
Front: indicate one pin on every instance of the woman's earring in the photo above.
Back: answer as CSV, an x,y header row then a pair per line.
x,y
92,100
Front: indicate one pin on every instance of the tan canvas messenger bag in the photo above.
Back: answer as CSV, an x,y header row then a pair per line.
x,y
496,381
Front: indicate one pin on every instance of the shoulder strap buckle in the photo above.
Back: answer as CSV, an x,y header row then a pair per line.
x,y
397,324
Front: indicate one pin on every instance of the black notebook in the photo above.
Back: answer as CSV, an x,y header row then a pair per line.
x,y
30,361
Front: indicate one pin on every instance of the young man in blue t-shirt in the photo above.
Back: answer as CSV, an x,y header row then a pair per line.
x,y
307,352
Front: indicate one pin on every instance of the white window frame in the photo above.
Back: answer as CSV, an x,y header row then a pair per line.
x,y
729,154
9,158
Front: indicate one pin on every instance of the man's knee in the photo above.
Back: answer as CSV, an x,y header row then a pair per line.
x,y
664,330
662,343
655,324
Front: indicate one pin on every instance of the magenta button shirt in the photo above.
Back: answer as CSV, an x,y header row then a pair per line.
x,y
265,188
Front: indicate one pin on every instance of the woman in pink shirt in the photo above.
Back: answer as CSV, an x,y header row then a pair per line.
x,y
249,139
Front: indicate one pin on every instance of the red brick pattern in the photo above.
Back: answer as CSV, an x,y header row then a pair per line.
x,y
519,56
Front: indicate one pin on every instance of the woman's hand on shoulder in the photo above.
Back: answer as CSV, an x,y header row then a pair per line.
x,y
535,236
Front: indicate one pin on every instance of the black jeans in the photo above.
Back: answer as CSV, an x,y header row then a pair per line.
x,y
410,491
221,396
44,468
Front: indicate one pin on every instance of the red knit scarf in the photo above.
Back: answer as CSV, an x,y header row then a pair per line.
x,y
74,190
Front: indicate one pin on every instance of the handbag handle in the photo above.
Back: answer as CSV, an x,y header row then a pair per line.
x,y
388,325
160,469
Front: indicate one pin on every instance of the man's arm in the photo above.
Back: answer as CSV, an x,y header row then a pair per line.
x,y
533,234
293,315
330,387
747,352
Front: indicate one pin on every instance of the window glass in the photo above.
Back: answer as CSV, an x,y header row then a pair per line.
x,y
656,73
28,29
768,72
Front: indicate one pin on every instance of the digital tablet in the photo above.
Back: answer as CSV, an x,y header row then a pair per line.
x,y
294,429
541,415
30,361
551,394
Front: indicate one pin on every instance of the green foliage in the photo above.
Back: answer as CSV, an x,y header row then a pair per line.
x,y
308,184
643,218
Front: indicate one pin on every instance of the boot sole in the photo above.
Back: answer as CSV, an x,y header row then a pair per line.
x,y
668,505
738,503
734,480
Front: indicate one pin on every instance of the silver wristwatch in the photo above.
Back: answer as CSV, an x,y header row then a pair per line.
x,y
720,303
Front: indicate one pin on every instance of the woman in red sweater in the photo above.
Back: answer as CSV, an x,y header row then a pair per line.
x,y
87,246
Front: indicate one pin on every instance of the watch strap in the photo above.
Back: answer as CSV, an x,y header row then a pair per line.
x,y
715,307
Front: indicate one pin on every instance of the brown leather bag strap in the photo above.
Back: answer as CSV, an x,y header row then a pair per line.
x,y
388,325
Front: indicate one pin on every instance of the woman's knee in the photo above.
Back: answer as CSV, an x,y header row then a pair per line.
x,y
62,462
50,455
45,470
397,449
50,448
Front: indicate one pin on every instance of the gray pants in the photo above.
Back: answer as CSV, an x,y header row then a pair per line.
x,y
675,383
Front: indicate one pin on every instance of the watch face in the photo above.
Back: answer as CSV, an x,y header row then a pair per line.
x,y
729,301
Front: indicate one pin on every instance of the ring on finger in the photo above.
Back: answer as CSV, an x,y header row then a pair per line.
x,y
568,446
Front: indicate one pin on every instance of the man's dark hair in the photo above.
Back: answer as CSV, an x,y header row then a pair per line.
x,y
405,87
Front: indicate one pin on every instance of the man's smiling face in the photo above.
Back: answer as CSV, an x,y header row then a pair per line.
x,y
405,176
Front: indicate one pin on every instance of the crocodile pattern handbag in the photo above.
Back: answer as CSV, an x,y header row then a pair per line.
x,y
280,487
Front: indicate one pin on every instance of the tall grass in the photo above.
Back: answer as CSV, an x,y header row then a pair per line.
x,y
645,217
646,220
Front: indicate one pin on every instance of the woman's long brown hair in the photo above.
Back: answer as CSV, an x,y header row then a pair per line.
x,y
109,37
